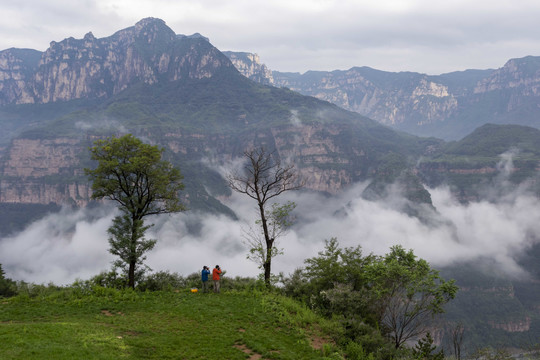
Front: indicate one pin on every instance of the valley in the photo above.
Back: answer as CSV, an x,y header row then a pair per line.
x,y
400,136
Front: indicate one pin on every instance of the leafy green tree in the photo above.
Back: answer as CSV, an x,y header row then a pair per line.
x,y
336,265
406,293
133,175
394,296
263,179
127,241
425,350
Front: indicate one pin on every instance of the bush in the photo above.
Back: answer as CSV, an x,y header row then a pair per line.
x,y
355,351
7,286
162,280
30,290
242,284
110,279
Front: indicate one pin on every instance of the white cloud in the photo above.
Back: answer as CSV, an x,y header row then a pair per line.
x,y
70,245
59,248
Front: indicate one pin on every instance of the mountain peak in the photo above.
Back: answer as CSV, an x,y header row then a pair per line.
x,y
147,52
150,22
89,36
154,28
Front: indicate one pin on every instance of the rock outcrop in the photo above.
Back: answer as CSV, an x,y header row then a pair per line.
x,y
41,171
251,67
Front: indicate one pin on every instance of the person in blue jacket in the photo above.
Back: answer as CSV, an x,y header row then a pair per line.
x,y
204,278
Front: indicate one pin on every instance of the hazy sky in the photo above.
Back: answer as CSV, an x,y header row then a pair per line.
x,y
428,36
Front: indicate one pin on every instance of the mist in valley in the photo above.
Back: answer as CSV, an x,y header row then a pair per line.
x,y
70,245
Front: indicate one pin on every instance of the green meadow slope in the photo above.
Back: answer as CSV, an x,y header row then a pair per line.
x,y
112,324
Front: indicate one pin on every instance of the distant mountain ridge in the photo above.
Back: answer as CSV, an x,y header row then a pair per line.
x,y
447,106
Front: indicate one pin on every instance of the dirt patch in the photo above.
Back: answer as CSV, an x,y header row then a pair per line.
x,y
108,313
316,340
241,330
246,350
131,333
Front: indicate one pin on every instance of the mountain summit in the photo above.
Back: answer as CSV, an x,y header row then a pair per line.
x,y
89,68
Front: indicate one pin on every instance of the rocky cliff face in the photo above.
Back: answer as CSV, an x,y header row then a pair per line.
x,y
390,98
425,100
44,171
441,105
16,69
324,165
522,74
513,326
99,68
251,67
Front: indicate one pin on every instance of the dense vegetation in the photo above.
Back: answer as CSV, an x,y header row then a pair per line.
x,y
392,298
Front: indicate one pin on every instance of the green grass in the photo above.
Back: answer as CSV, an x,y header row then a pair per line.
x,y
112,324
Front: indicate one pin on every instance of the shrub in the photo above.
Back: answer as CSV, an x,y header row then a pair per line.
x,y
7,286
162,280
109,279
30,290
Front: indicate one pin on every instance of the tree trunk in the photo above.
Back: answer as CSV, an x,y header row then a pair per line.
x,y
133,251
131,274
268,261
267,266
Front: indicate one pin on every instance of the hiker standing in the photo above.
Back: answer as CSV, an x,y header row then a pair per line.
x,y
204,278
216,277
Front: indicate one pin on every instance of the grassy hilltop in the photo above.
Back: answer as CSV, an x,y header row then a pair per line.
x,y
115,324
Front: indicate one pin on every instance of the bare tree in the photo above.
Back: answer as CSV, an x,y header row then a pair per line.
x,y
265,178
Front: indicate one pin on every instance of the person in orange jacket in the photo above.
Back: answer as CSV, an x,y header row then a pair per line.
x,y
216,277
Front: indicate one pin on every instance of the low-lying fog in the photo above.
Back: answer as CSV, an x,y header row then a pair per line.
x,y
71,245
